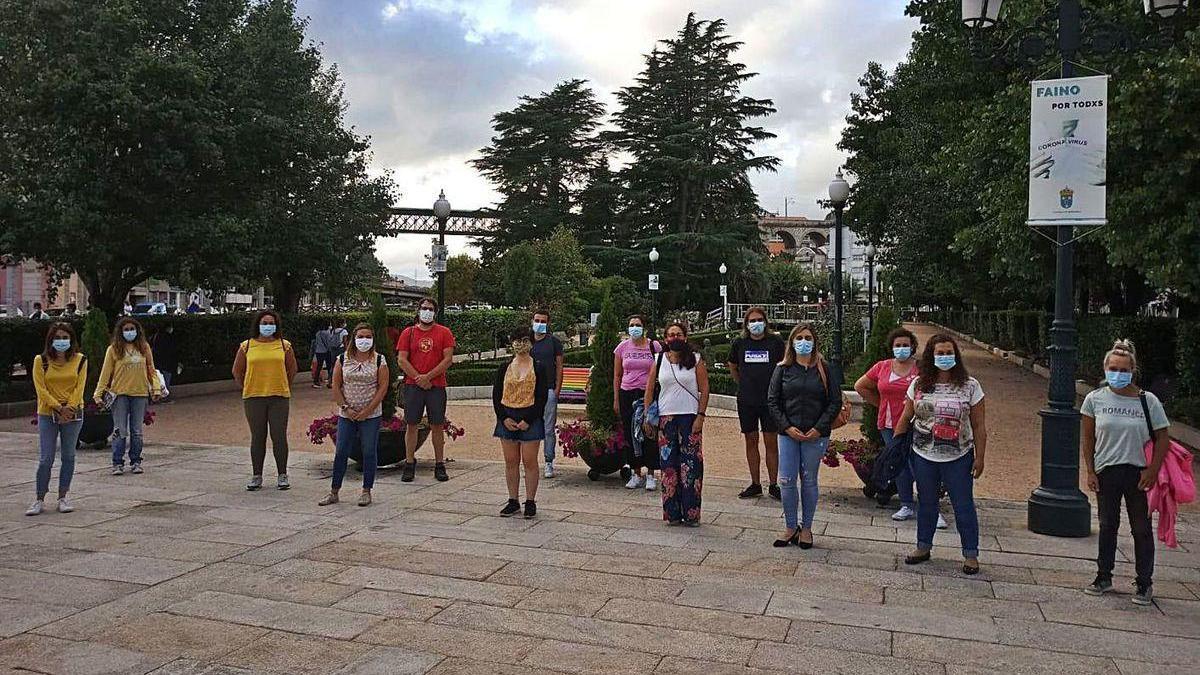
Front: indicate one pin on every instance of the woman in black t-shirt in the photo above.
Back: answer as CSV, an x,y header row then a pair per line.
x,y
752,360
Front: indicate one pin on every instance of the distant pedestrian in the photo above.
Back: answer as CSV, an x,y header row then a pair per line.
x,y
682,402
326,347
129,381
519,396
71,310
425,352
264,366
752,360
632,362
38,314
360,381
885,386
165,349
804,398
1117,421
547,353
59,375
944,407
127,309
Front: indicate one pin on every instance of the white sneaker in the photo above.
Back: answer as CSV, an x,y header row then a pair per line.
x,y
550,470
118,470
651,484
64,505
941,524
905,513
635,482
35,509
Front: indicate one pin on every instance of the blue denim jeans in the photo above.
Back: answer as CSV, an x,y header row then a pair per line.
x,y
365,434
49,434
550,419
960,485
904,481
127,412
802,460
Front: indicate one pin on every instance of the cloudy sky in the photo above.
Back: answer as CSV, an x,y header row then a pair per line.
x,y
424,77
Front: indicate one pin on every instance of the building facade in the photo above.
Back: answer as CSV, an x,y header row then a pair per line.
x,y
811,244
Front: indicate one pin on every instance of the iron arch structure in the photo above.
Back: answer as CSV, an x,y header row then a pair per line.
x,y
477,223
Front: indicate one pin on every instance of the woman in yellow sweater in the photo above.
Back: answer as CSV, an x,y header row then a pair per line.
x,y
128,381
265,366
59,374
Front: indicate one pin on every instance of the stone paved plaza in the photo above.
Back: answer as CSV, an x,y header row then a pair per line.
x,y
182,571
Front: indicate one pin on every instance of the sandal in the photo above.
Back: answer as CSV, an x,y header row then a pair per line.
x,y
917,558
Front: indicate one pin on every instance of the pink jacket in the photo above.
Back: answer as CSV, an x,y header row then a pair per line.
x,y
1175,486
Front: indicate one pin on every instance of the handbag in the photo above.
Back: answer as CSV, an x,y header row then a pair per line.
x,y
843,416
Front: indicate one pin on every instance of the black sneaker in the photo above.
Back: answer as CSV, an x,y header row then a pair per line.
x,y
510,508
775,493
530,508
1100,586
410,472
755,490
439,472
1143,596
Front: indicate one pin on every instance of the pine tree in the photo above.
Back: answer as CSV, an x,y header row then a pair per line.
x,y
539,160
600,384
687,126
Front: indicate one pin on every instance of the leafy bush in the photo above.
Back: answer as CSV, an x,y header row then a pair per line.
x,y
1187,357
1185,410
94,343
722,383
472,376
599,400
581,357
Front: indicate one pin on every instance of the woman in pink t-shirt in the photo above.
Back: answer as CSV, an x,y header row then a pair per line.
x,y
885,386
631,369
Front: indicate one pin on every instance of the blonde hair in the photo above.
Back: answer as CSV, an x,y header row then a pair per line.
x,y
1122,347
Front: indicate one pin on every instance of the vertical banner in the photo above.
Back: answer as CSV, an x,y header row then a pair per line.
x,y
1068,145
652,282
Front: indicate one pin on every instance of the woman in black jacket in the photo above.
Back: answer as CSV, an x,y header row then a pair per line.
x,y
519,398
804,399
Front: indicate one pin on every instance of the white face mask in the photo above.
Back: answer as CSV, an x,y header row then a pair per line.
x,y
425,315
129,335
757,327
363,344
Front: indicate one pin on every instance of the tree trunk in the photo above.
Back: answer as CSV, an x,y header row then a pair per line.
x,y
108,293
286,293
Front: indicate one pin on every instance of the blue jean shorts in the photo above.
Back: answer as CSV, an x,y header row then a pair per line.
x,y
535,432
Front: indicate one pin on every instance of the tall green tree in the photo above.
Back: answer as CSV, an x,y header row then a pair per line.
x,y
690,131
552,274
539,161
462,274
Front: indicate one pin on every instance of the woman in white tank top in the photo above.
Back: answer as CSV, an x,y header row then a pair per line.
x,y
682,396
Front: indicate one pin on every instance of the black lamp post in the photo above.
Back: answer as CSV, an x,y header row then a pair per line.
x,y
870,287
839,192
1057,506
441,211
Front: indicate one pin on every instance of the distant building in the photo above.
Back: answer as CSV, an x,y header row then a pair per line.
x,y
811,244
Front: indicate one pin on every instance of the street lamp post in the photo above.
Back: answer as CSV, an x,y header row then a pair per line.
x,y
839,192
870,287
724,297
441,211
1057,506
653,287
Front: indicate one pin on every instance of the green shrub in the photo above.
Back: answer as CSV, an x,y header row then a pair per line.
x,y
599,400
1185,410
94,343
473,376
580,357
384,346
1187,357
722,383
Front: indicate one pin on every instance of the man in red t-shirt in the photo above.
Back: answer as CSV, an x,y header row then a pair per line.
x,y
425,351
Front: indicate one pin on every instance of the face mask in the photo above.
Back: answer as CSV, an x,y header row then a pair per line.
x,y
61,345
944,361
266,329
902,353
363,344
521,347
1117,379
129,335
803,347
676,344
425,315
636,332
539,328
757,327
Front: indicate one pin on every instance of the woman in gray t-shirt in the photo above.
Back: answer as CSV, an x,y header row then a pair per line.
x,y
1115,432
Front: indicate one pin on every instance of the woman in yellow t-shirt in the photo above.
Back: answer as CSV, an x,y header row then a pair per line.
x,y
59,374
265,366
129,380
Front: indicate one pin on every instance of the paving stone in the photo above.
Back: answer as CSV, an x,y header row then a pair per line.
x,y
904,619
997,658
821,661
542,556
30,557
767,564
18,617
647,552
978,588
421,562
253,581
289,547
598,632
951,602
301,654
452,640
747,625
679,666
169,548
634,567
463,666
308,570
127,568
88,623
438,517
57,536
674,536
830,572
861,532
730,597
1128,617
865,640
874,561
577,604
433,586
1123,583
249,535
29,586
1041,545
579,658
393,604
832,587
65,657
176,637
286,616
563,579
391,661
193,667
1138,668
1098,642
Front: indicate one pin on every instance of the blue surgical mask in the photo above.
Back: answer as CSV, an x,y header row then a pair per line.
x,y
757,327
539,328
944,361
266,329
60,345
902,353
129,335
636,332
364,344
803,347
1118,379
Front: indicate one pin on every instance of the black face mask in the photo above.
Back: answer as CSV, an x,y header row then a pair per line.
x,y
676,344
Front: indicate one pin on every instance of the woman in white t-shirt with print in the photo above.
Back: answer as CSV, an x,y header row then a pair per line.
x,y
945,410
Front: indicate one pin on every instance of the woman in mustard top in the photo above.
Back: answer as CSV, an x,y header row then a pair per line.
x,y
264,366
59,374
129,381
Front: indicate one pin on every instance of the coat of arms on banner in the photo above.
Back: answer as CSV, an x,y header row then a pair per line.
x,y
1066,197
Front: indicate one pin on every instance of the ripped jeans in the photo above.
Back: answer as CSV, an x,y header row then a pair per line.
x,y
803,460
